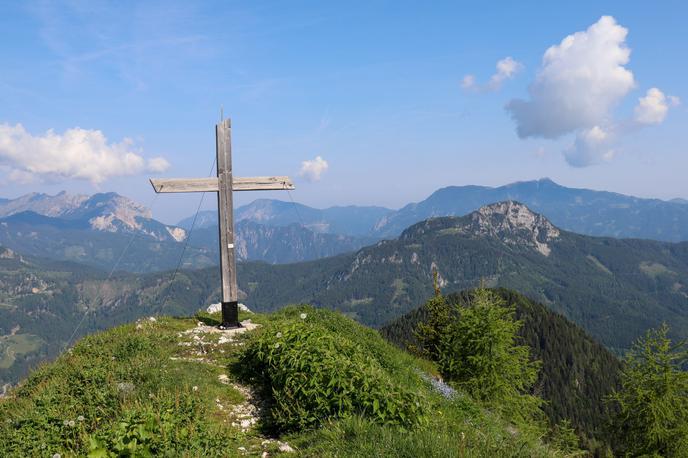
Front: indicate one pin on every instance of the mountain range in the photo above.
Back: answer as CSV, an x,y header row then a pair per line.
x,y
615,289
350,220
584,211
95,229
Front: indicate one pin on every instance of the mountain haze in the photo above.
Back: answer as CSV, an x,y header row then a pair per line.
x,y
350,220
615,289
278,244
43,204
583,211
95,230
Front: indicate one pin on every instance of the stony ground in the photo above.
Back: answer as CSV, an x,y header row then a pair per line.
x,y
209,345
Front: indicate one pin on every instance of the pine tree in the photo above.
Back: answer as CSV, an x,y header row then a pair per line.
x,y
476,349
652,405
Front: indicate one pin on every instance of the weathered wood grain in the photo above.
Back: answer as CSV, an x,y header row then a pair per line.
x,y
163,185
184,184
262,184
225,209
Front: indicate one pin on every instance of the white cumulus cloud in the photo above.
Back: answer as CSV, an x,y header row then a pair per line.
x,y
591,146
505,69
75,154
158,164
579,81
653,108
312,169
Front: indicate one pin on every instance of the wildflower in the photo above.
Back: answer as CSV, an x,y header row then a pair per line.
x,y
303,316
65,423
277,345
71,423
57,455
80,418
279,334
195,388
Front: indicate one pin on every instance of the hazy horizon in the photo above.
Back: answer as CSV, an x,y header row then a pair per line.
x,y
370,104
210,202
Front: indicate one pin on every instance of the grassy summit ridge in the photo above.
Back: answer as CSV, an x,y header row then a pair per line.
x,y
176,387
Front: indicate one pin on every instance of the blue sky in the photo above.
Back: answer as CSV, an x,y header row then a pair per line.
x,y
377,90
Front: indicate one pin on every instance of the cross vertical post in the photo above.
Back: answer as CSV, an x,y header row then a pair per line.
x,y
225,211
224,185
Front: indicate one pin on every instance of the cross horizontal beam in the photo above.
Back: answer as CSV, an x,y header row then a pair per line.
x,y
162,185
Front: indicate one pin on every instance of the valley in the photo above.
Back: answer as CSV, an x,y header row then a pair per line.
x,y
613,288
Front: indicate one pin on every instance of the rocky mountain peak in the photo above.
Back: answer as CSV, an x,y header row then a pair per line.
x,y
511,222
515,223
108,212
107,208
42,204
512,215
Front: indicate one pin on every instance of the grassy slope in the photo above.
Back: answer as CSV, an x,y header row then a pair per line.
x,y
129,383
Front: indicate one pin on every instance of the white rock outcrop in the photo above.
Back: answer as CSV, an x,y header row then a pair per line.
x,y
217,308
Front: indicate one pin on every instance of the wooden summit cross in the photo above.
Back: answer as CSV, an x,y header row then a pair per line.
x,y
224,185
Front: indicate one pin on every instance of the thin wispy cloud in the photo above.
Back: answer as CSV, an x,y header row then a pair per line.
x,y
506,69
131,43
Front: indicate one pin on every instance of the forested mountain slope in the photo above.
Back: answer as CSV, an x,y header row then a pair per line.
x,y
615,289
577,372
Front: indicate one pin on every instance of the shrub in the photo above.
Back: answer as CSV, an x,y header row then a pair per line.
x,y
476,349
313,374
174,425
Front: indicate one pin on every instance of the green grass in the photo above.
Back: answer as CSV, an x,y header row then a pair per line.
x,y
123,384
18,344
599,265
355,302
399,289
135,390
654,269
